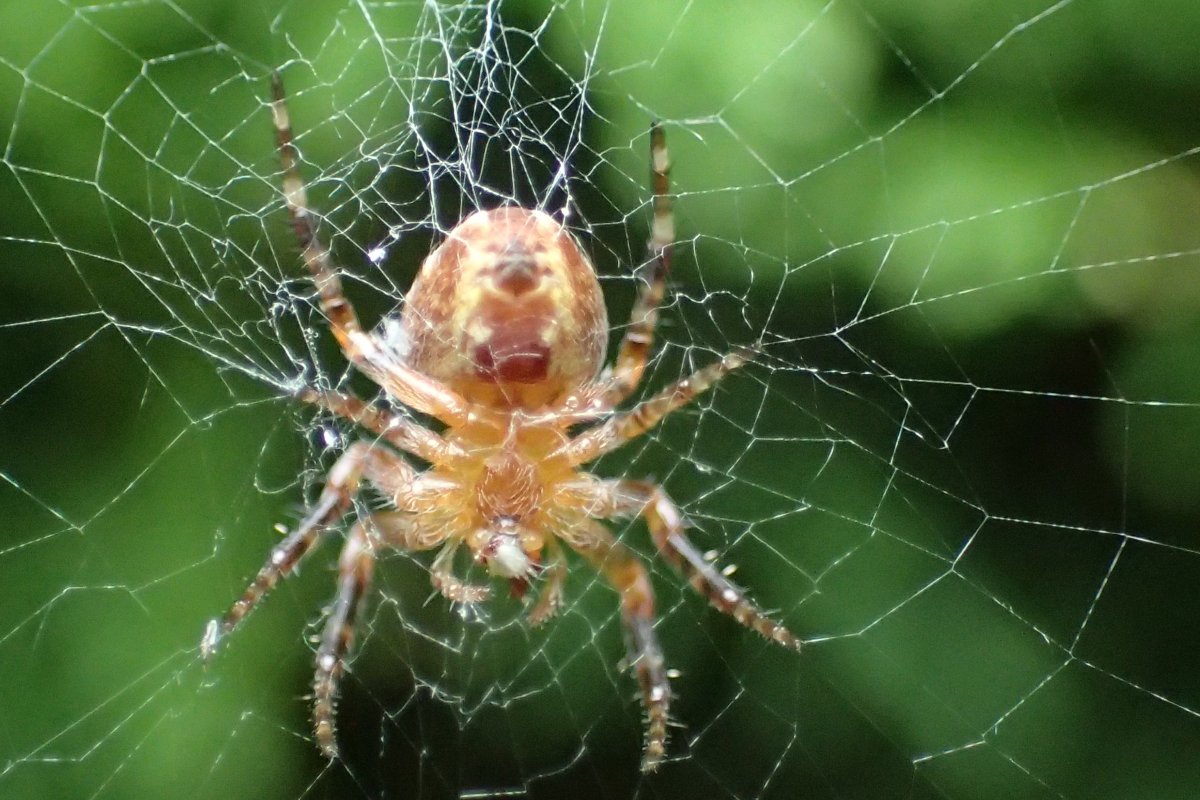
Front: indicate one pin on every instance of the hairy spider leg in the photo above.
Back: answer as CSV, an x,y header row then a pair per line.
x,y
634,350
339,490
396,429
401,381
622,569
401,529
627,425
398,529
452,587
667,526
355,566
550,598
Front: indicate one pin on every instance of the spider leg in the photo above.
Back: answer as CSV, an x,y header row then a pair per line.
x,y
406,384
621,428
550,598
667,525
381,467
622,569
639,335
396,429
335,499
355,566
399,529
451,586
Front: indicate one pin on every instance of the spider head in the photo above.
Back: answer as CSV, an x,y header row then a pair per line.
x,y
502,549
507,311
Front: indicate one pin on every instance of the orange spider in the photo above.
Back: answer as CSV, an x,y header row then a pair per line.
x,y
502,339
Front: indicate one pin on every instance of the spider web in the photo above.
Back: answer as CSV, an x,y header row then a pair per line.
x,y
964,469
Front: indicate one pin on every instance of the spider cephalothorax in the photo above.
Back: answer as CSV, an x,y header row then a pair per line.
x,y
502,340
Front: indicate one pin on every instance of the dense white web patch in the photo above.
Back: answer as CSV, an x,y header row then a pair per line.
x,y
963,468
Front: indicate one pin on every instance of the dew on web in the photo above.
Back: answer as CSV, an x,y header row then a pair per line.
x,y
961,468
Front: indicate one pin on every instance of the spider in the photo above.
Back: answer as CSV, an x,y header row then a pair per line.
x,y
502,340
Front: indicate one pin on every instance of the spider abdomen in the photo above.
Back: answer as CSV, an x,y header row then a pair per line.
x,y
507,311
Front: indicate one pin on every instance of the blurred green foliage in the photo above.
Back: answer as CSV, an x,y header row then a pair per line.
x,y
965,232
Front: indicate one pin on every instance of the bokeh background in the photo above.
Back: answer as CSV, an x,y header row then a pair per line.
x,y
964,470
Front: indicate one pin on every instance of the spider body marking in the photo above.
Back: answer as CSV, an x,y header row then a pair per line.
x,y
502,340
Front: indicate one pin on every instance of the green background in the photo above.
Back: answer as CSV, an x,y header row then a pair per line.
x,y
964,469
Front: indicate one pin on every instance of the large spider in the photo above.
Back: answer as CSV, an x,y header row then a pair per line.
x,y
502,340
